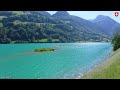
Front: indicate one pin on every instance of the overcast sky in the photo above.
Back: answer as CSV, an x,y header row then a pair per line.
x,y
92,14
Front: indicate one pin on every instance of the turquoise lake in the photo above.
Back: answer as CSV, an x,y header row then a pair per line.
x,y
69,61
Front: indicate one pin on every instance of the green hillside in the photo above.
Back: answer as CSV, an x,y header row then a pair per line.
x,y
110,69
33,26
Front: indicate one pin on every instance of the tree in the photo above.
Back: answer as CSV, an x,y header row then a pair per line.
x,y
116,42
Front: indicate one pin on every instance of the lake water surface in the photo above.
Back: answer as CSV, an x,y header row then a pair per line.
x,y
70,60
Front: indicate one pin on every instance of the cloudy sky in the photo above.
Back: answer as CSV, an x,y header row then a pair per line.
x,y
92,14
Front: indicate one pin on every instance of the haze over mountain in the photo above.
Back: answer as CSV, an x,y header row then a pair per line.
x,y
101,23
40,26
77,21
107,25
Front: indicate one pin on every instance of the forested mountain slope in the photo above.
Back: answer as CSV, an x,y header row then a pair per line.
x,y
40,26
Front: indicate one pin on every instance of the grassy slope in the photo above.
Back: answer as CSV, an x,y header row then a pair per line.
x,y
110,69
42,40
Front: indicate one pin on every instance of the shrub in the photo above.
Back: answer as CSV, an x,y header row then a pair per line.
x,y
116,42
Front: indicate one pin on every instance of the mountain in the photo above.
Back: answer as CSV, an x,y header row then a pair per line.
x,y
101,24
67,18
78,22
41,12
107,24
61,15
39,26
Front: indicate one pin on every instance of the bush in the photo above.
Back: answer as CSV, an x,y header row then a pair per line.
x,y
116,42
44,49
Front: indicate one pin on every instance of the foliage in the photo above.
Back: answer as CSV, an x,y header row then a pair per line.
x,y
1,25
28,27
116,42
108,70
44,49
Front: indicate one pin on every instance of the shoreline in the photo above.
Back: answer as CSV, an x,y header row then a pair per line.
x,y
95,65
102,70
57,42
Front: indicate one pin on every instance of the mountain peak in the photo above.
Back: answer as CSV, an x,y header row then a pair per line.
x,y
65,13
106,23
44,13
102,17
61,15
